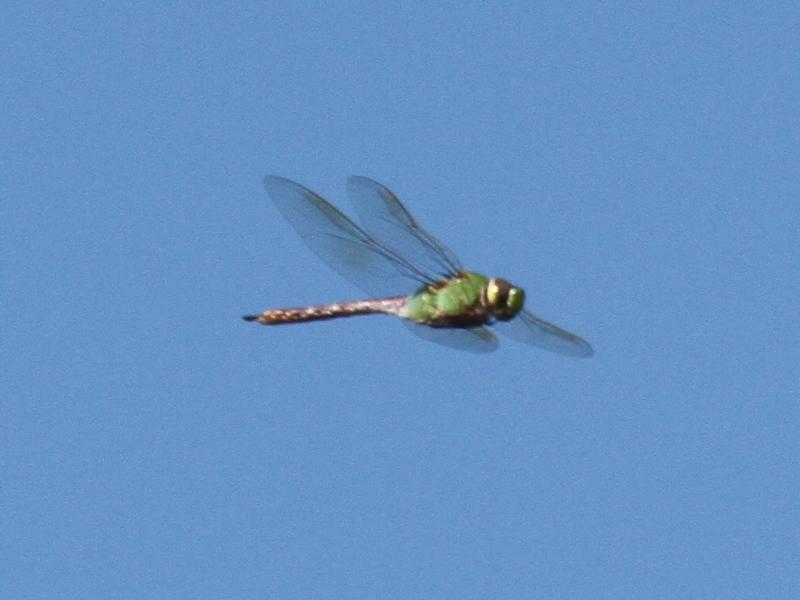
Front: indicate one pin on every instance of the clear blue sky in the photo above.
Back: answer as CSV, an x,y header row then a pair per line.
x,y
634,167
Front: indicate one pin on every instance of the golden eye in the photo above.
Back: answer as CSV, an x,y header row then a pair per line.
x,y
491,293
497,297
503,299
497,292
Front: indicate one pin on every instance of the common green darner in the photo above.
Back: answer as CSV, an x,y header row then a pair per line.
x,y
446,303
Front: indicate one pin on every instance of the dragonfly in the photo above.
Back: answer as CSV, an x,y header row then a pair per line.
x,y
389,253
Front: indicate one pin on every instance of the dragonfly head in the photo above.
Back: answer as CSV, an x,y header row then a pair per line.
x,y
503,299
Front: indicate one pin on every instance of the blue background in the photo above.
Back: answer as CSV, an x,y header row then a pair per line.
x,y
634,167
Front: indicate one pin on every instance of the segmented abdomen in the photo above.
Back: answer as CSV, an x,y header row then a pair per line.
x,y
279,316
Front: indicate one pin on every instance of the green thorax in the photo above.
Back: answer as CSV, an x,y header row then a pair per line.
x,y
458,301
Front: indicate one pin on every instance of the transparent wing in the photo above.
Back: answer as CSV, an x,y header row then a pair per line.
x,y
530,329
344,246
385,217
478,340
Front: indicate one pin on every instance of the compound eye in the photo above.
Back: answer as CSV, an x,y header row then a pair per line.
x,y
515,301
497,292
503,299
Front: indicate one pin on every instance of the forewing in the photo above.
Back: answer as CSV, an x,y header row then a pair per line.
x,y
530,329
478,340
384,217
340,243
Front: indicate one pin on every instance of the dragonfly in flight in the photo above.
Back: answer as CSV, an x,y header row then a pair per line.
x,y
389,252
